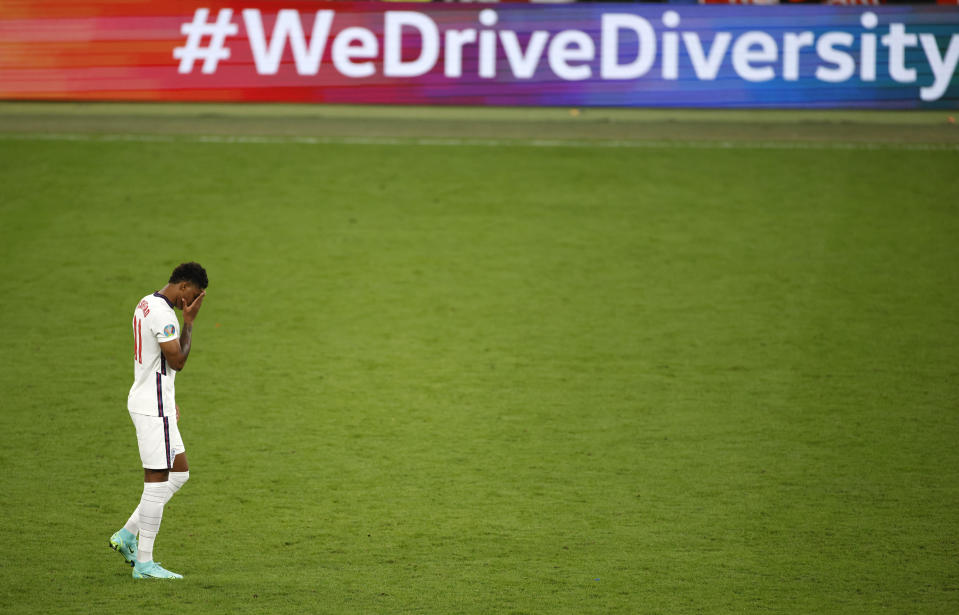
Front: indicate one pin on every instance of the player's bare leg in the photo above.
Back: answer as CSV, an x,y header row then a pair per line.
x,y
180,464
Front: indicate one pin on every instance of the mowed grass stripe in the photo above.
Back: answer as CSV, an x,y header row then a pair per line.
x,y
337,122
467,142
556,115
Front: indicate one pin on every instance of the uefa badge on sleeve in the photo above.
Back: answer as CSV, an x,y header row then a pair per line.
x,y
169,330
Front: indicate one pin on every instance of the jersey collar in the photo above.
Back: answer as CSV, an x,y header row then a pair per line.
x,y
162,296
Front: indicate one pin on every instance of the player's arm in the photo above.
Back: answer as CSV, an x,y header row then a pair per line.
x,y
177,351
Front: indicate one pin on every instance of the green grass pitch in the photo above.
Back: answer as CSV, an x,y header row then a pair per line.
x,y
479,377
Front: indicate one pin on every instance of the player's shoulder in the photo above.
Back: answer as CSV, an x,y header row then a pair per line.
x,y
154,303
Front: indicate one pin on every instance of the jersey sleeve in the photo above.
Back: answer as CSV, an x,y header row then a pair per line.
x,y
165,326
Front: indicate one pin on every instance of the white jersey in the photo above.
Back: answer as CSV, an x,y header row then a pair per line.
x,y
154,321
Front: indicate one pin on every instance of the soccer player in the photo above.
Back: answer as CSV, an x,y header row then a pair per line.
x,y
160,350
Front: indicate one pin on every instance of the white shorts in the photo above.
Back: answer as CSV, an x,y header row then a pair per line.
x,y
159,440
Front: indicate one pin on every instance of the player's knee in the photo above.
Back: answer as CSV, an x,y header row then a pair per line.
x,y
179,478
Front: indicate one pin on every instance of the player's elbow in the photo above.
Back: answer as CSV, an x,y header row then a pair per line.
x,y
177,363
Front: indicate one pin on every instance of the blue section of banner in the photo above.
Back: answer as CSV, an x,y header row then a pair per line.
x,y
752,57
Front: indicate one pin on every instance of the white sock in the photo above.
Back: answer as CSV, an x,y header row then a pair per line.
x,y
177,480
151,513
133,523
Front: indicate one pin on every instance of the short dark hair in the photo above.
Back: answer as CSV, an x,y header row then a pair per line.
x,y
190,272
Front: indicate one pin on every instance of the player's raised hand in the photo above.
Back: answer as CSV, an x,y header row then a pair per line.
x,y
190,311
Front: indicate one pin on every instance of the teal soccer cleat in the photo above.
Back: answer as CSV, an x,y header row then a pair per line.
x,y
125,543
152,570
